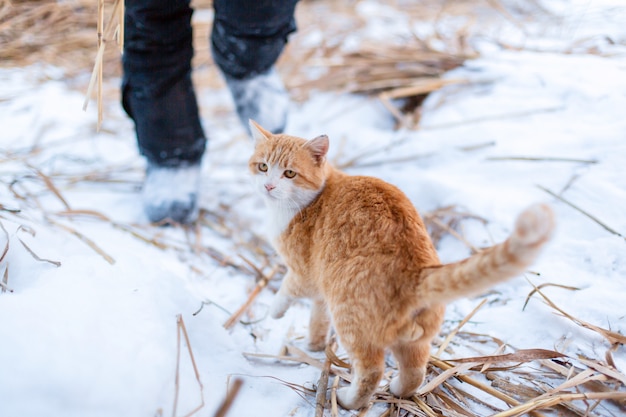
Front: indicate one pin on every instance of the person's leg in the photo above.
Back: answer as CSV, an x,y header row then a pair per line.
x,y
157,93
246,40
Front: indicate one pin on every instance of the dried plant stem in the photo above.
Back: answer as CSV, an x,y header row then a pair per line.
x,y
483,119
322,387
544,285
120,19
37,258
495,393
5,281
50,184
540,159
85,239
611,373
453,333
541,403
452,371
575,207
611,336
520,356
182,330
594,386
390,161
230,398
96,75
265,279
425,408
6,246
454,233
334,410
100,72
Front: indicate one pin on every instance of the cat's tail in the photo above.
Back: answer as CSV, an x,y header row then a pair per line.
x,y
498,263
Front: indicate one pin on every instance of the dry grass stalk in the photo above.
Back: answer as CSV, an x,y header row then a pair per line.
x,y
609,371
356,163
264,280
593,386
520,356
182,330
96,76
99,67
437,393
5,276
5,281
575,207
37,258
387,71
541,159
5,250
322,387
58,33
445,220
453,333
50,184
493,392
84,239
448,373
413,94
544,403
124,227
544,285
611,336
334,406
233,390
483,119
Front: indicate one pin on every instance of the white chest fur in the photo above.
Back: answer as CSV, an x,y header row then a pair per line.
x,y
278,218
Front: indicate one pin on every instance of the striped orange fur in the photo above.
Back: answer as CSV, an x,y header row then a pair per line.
x,y
357,247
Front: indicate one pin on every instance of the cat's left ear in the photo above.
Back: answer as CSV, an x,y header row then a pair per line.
x,y
258,133
318,147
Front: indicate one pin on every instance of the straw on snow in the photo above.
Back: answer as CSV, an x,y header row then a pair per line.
x,y
66,34
582,382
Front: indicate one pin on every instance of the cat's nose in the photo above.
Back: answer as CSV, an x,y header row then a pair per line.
x,y
269,187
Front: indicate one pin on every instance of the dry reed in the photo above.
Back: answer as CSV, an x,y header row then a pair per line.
x,y
525,380
71,34
532,380
181,330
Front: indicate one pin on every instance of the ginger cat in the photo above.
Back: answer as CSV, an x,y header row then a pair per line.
x,y
357,247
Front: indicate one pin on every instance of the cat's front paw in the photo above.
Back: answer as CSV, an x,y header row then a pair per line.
x,y
279,306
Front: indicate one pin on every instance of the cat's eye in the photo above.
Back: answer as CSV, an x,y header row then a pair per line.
x,y
263,167
290,174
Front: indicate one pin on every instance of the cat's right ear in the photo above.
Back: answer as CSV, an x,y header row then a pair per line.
x,y
258,133
319,147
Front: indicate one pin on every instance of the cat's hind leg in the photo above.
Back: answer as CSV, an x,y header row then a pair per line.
x,y
318,325
367,370
412,358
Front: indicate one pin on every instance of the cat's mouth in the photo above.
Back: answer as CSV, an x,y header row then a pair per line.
x,y
271,196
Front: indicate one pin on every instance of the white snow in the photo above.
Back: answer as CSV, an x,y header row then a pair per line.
x,y
97,337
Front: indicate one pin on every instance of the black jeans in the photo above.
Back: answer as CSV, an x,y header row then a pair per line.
x,y
247,38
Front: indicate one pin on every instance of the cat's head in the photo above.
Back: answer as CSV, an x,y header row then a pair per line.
x,y
287,171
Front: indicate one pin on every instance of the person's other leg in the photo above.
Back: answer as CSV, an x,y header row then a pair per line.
x,y
246,40
157,93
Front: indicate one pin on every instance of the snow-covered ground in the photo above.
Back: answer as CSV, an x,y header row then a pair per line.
x,y
95,333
